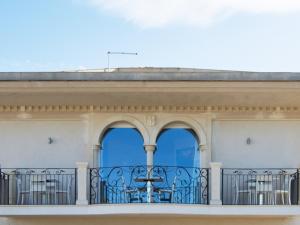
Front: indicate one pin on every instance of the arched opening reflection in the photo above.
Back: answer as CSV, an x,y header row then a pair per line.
x,y
177,147
122,147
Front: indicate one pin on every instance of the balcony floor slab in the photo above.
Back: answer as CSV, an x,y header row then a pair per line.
x,y
151,210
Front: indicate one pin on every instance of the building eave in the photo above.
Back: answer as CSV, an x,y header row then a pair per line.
x,y
202,75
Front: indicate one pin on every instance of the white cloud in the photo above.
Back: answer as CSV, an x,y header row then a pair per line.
x,y
159,13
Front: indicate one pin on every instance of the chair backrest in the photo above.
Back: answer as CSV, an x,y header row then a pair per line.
x,y
19,184
123,183
242,183
124,189
174,183
63,183
173,189
38,182
70,179
236,183
23,185
283,182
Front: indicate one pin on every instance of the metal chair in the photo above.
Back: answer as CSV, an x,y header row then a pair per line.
x,y
38,188
247,189
167,194
131,194
282,187
64,188
22,191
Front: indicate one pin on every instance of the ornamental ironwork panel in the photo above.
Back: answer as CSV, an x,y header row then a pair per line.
x,y
142,184
38,186
260,186
4,188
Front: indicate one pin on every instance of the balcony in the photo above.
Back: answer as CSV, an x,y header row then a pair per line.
x,y
131,190
260,186
158,184
142,184
33,186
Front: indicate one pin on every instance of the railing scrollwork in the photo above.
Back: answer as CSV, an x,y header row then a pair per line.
x,y
157,184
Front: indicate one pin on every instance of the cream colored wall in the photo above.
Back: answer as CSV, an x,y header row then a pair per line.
x,y
25,143
274,143
154,220
24,137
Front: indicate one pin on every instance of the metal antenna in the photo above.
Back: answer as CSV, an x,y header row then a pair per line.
x,y
118,53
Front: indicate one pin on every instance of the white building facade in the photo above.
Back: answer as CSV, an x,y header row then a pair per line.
x,y
150,145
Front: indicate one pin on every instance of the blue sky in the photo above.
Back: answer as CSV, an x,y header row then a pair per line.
x,y
54,35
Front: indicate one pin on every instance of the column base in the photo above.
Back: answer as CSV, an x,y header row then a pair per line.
x,y
82,202
215,202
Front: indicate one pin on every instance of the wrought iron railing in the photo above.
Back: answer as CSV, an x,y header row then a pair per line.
x,y
141,184
32,186
4,189
260,186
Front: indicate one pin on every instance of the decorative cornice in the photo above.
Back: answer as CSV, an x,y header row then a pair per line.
x,y
143,109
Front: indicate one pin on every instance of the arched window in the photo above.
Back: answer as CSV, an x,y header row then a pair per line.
x,y
122,147
177,147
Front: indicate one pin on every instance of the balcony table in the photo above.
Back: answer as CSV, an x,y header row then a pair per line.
x,y
43,186
149,181
262,188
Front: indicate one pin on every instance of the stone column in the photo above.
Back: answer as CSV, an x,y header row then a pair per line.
x,y
82,170
204,156
96,155
93,153
150,152
215,183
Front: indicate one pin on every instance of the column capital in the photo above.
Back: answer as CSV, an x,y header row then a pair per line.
x,y
93,147
203,147
82,165
215,164
150,148
150,152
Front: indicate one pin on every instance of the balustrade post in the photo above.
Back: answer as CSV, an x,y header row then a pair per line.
x,y
82,169
215,183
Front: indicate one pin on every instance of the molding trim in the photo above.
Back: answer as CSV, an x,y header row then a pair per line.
x,y
143,108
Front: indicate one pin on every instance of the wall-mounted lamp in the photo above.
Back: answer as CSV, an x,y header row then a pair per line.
x,y
50,140
248,141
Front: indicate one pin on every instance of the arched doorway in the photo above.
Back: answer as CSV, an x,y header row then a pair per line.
x,y
125,176
122,150
177,147
122,147
177,159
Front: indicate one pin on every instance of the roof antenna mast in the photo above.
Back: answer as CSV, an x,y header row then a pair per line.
x,y
117,53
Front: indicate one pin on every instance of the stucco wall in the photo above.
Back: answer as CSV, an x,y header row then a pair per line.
x,y
25,143
274,144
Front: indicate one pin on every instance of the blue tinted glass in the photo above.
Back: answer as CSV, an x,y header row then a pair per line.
x,y
177,147
122,147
